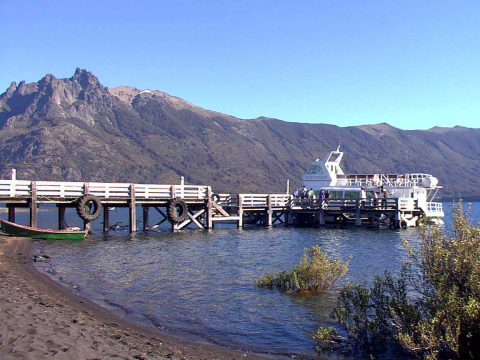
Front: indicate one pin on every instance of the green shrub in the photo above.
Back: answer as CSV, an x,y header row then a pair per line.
x,y
313,274
432,309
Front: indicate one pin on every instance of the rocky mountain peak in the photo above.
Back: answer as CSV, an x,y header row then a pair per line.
x,y
85,78
11,89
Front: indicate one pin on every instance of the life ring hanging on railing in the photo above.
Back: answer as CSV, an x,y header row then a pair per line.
x,y
88,207
177,210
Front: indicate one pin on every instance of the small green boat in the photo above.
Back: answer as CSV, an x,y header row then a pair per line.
x,y
36,233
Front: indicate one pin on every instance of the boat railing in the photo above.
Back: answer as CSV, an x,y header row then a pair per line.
x,y
434,209
377,180
345,204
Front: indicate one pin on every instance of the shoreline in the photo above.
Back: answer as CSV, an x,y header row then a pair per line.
x,y
41,318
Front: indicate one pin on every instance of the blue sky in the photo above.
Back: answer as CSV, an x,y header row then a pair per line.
x,y
413,64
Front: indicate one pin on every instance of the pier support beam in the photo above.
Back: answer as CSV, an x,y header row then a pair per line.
x,y
358,218
269,211
321,218
240,212
209,222
11,213
132,207
146,216
398,215
33,204
61,217
287,218
106,218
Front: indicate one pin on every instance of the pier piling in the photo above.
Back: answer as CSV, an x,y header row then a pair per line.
x,y
33,204
132,209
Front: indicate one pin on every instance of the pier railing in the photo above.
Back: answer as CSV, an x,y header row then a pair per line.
x,y
54,189
262,200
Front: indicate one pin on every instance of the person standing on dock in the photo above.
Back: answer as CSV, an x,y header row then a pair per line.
x,y
363,197
310,194
304,192
322,199
375,199
384,198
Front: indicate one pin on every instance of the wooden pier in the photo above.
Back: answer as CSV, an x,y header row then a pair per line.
x,y
183,205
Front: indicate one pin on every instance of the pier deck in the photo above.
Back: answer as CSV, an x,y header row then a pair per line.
x,y
202,207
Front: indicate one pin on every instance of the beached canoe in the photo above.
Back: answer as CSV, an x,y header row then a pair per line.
x,y
36,233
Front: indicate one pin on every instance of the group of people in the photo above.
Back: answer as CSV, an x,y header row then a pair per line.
x,y
304,193
309,194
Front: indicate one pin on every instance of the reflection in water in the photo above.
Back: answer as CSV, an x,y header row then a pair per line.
x,y
200,284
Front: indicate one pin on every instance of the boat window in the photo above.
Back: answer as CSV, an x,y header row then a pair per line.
x,y
335,194
352,195
333,157
315,169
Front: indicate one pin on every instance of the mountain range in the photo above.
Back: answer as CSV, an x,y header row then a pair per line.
x,y
76,129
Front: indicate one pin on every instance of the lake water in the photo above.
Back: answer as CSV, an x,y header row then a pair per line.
x,y
200,284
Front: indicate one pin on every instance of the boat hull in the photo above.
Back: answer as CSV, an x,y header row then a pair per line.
x,y
36,233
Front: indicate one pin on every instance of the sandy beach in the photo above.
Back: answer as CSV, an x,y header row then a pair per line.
x,y
41,319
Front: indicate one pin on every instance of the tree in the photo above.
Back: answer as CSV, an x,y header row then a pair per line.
x,y
432,309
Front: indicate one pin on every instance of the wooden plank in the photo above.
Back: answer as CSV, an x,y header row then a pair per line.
x,y
191,218
225,218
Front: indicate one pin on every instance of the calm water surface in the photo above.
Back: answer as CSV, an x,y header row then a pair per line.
x,y
199,284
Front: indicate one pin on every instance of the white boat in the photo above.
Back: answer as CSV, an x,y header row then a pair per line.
x,y
415,191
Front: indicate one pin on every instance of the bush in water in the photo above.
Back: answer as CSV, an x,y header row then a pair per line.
x,y
313,274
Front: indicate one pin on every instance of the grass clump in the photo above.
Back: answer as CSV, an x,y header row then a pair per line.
x,y
314,273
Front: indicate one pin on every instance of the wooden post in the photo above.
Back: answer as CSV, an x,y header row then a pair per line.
x,y
61,217
86,224
11,213
145,217
209,208
321,217
358,218
397,214
240,212
33,204
288,186
106,218
269,210
132,210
